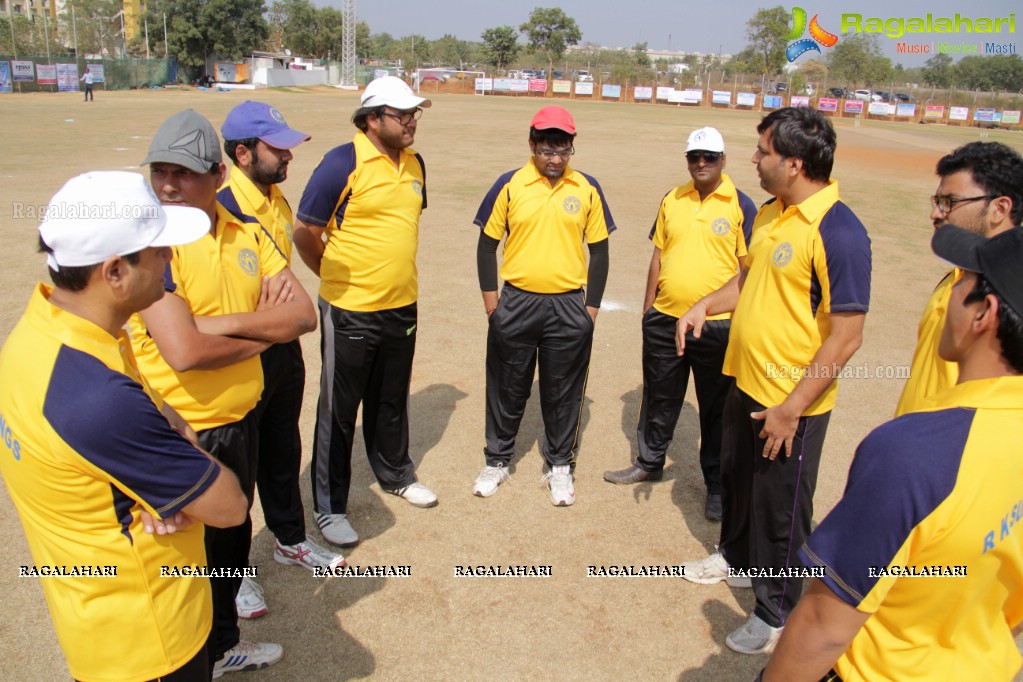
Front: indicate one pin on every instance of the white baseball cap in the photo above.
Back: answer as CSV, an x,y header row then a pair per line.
x,y
101,214
707,140
393,92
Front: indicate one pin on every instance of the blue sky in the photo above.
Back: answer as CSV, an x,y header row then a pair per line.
x,y
687,25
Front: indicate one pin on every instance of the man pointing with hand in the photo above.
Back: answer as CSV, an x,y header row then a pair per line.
x,y
799,302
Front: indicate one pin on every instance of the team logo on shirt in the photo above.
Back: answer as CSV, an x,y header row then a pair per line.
x,y
720,227
248,261
417,187
782,254
571,205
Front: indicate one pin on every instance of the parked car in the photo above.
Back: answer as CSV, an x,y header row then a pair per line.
x,y
527,73
780,87
839,93
903,97
884,95
866,96
584,76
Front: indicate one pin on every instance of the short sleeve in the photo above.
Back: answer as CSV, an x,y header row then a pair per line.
x,y
492,215
845,263
111,423
890,492
326,186
657,235
599,223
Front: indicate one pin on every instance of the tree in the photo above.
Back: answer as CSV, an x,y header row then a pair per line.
x,y
450,50
994,72
411,51
231,29
97,26
814,72
500,46
640,55
858,59
767,33
294,26
550,31
29,37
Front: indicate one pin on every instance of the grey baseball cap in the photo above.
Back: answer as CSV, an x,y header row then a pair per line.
x,y
187,139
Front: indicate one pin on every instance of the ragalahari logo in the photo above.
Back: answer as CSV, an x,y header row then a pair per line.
x,y
803,45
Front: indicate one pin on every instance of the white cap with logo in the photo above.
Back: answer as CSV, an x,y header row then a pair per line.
x,y
393,92
101,214
706,140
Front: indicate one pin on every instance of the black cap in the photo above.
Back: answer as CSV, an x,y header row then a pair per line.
x,y
999,259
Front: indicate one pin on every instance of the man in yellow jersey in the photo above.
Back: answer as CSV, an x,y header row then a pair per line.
x,y
700,239
259,141
799,304
228,297
94,461
981,189
366,196
545,212
922,558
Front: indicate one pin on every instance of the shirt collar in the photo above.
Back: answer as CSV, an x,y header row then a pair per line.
x,y
817,204
250,193
74,331
1000,393
726,190
225,218
568,176
366,150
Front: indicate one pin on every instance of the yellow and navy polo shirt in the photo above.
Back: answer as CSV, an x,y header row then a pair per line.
x,y
933,492
84,450
929,373
216,275
805,262
701,243
371,211
247,204
544,227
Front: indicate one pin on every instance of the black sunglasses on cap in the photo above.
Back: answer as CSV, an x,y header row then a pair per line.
x,y
709,157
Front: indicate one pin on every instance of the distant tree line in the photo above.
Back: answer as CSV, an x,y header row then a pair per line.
x,y
233,29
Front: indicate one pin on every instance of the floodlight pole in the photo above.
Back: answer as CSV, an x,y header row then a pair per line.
x,y
74,30
348,52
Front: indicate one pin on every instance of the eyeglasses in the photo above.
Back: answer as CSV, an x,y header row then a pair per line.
x,y
551,153
709,157
944,203
406,117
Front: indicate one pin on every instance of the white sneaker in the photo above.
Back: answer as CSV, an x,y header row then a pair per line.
x,y
336,529
245,656
559,480
488,480
417,494
754,637
308,554
250,603
713,570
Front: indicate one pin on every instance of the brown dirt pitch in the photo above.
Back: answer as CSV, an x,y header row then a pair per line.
x,y
434,625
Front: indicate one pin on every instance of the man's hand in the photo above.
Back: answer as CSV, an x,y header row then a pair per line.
x,y
274,292
779,429
593,313
693,319
152,525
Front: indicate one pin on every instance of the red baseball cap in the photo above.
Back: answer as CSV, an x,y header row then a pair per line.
x,y
554,117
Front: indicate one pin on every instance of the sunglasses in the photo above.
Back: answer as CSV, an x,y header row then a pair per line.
x,y
709,157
